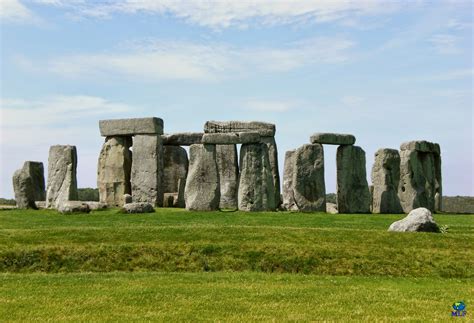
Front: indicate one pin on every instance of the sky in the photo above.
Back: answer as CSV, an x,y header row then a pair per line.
x,y
384,71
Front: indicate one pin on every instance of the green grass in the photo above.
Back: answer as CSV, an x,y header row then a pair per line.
x,y
227,296
176,265
179,241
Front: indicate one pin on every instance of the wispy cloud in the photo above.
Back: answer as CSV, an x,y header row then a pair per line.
x,y
446,44
13,11
158,60
20,114
230,13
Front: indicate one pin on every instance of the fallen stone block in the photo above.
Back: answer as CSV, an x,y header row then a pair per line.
x,y
68,207
418,220
131,127
332,139
138,207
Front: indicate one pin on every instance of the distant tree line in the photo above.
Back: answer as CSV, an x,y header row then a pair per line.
x,y
88,194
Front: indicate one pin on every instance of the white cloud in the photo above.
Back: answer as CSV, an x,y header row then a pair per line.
x,y
14,11
20,114
158,60
230,13
352,100
445,44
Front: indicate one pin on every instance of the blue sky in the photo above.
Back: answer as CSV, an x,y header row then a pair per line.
x,y
385,71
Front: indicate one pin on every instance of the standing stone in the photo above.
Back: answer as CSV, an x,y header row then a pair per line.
x,y
273,158
181,188
304,187
147,170
28,185
438,182
62,182
175,160
227,164
420,177
113,171
256,188
353,194
385,179
202,191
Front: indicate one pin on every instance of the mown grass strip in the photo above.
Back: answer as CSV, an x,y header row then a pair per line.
x,y
214,297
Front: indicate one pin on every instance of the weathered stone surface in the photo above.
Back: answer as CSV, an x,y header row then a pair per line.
x,y
138,207
331,208
127,198
353,194
180,202
62,181
131,127
175,160
418,220
421,145
170,199
68,207
202,192
438,183
147,170
256,189
385,179
28,185
420,179
228,166
332,139
40,204
93,205
113,171
182,138
273,158
304,187
263,128
231,138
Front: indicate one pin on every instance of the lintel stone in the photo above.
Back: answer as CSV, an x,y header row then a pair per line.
x,y
263,128
332,139
182,138
130,127
231,138
422,146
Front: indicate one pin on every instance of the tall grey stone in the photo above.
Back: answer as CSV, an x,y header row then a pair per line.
x,y
420,175
113,171
256,188
147,170
227,164
385,178
353,194
273,158
304,188
438,182
62,181
28,185
202,191
175,160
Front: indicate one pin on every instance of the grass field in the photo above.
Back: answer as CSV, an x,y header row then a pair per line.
x,y
176,265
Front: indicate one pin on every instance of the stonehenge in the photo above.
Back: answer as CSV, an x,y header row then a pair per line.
x,y
420,176
140,165
385,178
353,194
28,185
202,191
256,188
303,184
62,182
